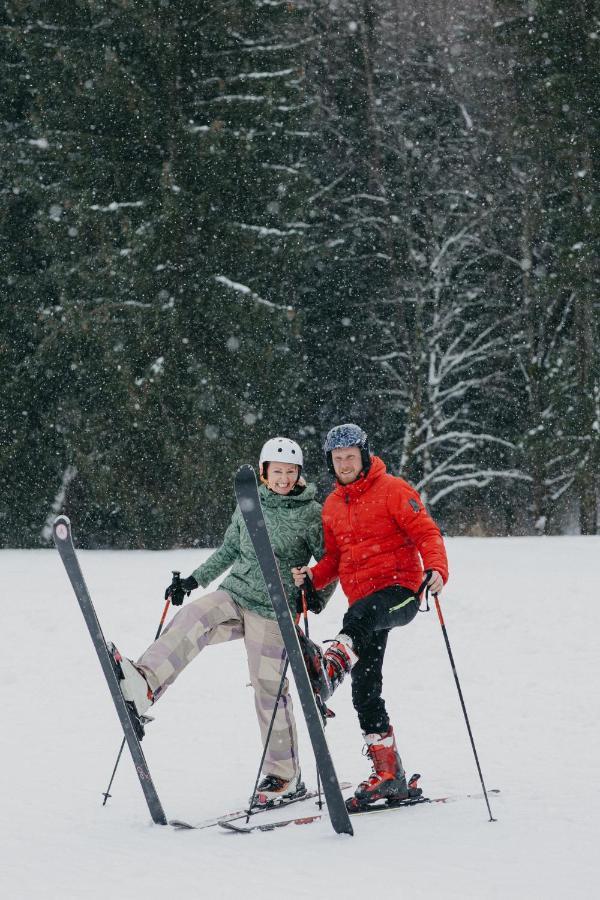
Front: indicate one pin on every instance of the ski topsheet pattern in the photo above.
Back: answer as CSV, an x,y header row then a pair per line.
x,y
64,544
246,490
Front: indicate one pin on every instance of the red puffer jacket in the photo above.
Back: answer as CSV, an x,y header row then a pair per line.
x,y
377,533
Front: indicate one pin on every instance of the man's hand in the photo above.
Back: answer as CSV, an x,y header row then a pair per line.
x,y
299,572
436,582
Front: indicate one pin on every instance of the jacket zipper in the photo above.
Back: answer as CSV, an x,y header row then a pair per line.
x,y
347,498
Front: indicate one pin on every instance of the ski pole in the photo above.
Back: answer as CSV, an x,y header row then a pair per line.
x,y
462,702
267,739
305,611
271,723
107,793
305,614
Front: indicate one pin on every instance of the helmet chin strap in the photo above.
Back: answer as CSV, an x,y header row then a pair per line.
x,y
367,459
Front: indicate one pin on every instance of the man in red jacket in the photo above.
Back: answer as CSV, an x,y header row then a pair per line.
x,y
381,543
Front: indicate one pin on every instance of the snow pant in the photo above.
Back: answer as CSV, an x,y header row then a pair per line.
x,y
368,622
213,619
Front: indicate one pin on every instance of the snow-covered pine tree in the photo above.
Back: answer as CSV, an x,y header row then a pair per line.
x,y
153,155
553,80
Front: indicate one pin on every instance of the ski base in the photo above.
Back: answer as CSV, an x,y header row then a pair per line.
x,y
132,725
181,825
375,808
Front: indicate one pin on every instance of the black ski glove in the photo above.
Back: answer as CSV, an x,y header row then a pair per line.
x,y
314,601
179,587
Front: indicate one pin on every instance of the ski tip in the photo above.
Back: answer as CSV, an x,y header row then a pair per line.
x,y
238,829
245,471
246,486
62,527
180,825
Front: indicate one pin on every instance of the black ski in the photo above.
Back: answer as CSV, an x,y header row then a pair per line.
x,y
64,544
246,490
308,820
180,825
414,801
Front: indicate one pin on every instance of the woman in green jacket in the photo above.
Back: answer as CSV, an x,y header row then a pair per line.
x,y
241,608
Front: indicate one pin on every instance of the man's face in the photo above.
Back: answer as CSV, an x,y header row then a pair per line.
x,y
347,464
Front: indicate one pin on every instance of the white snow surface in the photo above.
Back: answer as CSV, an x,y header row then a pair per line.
x,y
523,617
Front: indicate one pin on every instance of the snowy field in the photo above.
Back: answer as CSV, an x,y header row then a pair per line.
x,y
523,616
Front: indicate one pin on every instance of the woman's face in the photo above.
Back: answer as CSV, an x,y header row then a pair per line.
x,y
282,477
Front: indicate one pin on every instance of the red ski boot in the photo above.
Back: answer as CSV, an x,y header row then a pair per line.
x,y
327,670
339,658
388,780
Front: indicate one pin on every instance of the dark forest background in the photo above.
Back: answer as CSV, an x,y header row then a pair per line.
x,y
225,221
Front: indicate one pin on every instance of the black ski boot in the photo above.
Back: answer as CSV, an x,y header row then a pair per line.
x,y
315,666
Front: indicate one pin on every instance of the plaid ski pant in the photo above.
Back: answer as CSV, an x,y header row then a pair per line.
x,y
213,619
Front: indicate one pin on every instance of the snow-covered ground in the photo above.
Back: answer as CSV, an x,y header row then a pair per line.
x,y
523,616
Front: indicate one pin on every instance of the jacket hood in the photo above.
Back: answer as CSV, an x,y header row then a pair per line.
x,y
362,483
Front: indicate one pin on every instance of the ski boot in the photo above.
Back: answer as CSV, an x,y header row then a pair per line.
x,y
134,687
339,659
274,791
388,779
327,670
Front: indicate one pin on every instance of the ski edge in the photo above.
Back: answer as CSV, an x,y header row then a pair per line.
x,y
181,825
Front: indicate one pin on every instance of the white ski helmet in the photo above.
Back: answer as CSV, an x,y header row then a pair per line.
x,y
281,449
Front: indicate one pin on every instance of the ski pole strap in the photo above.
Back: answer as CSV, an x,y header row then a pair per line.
x,y
424,588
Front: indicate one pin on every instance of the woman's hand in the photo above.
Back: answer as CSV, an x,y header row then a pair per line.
x,y
299,573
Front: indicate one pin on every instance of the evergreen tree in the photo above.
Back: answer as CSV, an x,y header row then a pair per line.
x,y
408,266
553,66
150,326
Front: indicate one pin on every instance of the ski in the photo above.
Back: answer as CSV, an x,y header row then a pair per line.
x,y
307,820
246,490
415,801
180,825
64,543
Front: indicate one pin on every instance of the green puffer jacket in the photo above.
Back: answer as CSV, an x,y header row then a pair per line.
x,y
294,525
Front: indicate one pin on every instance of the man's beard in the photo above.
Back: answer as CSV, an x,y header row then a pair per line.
x,y
350,478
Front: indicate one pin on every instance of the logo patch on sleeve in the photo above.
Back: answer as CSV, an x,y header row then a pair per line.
x,y
414,504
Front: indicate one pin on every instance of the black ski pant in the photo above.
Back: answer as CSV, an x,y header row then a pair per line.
x,y
368,622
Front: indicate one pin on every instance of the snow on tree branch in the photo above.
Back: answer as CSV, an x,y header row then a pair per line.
x,y
248,292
